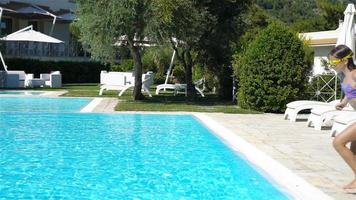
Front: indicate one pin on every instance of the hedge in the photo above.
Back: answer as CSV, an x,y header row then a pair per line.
x,y
72,72
273,70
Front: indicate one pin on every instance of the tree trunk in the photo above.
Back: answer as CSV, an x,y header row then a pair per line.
x,y
186,59
191,93
135,52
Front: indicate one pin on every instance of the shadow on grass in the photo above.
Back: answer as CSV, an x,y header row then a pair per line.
x,y
209,100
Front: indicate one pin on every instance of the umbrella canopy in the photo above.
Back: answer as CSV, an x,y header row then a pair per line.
x,y
30,35
347,32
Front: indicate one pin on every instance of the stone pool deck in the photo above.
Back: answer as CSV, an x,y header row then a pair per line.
x,y
305,151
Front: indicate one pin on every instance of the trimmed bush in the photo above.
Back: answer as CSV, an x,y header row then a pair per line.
x,y
124,66
273,70
157,59
72,72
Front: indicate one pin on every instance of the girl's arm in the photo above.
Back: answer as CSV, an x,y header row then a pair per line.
x,y
342,103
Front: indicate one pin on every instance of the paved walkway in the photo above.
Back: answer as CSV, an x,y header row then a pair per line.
x,y
305,151
106,105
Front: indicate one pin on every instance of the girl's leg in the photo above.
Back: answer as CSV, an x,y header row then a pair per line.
x,y
339,143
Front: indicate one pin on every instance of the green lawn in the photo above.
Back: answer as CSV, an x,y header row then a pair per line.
x,y
165,102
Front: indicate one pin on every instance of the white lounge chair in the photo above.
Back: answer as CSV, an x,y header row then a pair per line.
x,y
343,121
178,88
53,80
15,79
122,81
295,107
323,116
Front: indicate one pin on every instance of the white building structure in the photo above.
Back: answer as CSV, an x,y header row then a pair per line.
x,y
51,17
322,43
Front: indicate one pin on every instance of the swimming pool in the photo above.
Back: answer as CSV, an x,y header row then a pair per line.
x,y
43,104
120,156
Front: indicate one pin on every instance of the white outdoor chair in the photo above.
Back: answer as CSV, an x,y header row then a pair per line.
x,y
323,116
32,82
182,88
295,107
123,81
15,79
343,121
53,80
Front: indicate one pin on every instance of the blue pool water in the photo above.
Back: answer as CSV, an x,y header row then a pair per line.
x,y
21,104
53,155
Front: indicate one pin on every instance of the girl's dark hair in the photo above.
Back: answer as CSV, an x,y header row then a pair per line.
x,y
341,51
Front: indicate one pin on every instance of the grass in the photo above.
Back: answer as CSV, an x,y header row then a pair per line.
x,y
165,102
168,103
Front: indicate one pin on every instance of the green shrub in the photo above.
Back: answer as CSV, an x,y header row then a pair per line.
x,y
157,59
178,74
72,72
273,70
124,66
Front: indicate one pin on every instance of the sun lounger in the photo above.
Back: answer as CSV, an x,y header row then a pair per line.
x,y
343,121
323,116
123,81
15,79
181,88
295,107
53,80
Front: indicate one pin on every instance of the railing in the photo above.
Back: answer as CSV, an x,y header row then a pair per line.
x,y
325,87
15,49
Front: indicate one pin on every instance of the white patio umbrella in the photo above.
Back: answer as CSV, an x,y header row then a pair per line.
x,y
347,32
28,35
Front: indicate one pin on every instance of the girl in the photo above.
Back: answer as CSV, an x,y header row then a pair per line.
x,y
341,61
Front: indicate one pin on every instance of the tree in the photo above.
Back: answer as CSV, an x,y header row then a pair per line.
x,y
186,21
103,22
206,29
225,28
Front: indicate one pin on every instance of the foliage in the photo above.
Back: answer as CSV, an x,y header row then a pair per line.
x,y
178,74
72,72
332,12
297,11
273,70
215,46
289,11
306,16
157,59
104,23
254,19
124,66
185,20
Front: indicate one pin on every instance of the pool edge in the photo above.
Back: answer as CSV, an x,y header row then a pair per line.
x,y
91,105
294,185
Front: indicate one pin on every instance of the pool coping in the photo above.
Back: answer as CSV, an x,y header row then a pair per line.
x,y
91,105
292,184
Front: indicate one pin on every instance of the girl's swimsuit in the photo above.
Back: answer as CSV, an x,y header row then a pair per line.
x,y
349,91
